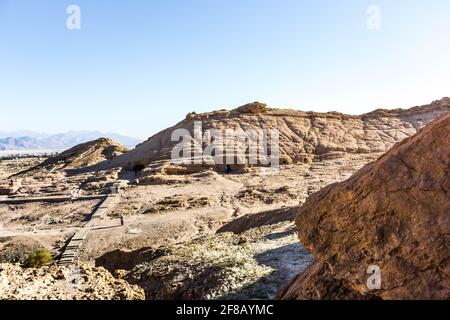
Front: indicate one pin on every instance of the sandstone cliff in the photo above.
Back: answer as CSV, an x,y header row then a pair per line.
x,y
304,136
394,214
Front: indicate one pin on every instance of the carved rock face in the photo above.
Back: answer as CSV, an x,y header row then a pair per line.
x,y
303,136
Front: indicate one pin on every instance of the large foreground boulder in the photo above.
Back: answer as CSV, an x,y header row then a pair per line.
x,y
317,283
394,214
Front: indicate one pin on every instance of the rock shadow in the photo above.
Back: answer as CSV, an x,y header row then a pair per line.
x,y
287,261
256,220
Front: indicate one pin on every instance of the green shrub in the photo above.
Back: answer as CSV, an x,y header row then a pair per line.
x,y
39,258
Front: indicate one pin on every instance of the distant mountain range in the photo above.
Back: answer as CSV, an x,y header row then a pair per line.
x,y
29,140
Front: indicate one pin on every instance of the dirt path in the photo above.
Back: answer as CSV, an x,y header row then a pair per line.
x,y
71,251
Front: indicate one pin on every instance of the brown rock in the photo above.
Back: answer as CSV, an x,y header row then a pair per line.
x,y
393,213
255,108
304,136
86,154
317,283
53,282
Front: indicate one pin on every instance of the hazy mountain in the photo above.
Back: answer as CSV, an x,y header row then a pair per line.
x,y
21,143
28,140
23,133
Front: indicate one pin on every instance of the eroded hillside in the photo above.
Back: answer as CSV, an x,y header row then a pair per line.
x,y
304,136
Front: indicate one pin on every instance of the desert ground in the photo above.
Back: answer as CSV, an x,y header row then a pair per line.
x,y
174,212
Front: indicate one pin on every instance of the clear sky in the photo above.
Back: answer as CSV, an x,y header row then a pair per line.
x,y
136,67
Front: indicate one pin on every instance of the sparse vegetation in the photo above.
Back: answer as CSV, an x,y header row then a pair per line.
x,y
219,266
39,258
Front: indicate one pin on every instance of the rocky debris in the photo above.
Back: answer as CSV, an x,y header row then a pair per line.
x,y
215,266
10,187
394,214
60,188
100,181
304,136
53,282
177,202
104,176
164,205
266,195
12,166
41,182
160,179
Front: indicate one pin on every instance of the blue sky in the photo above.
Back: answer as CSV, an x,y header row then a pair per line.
x,y
136,67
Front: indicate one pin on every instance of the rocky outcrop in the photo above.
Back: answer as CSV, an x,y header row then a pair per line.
x,y
393,214
10,187
87,154
61,283
304,136
255,108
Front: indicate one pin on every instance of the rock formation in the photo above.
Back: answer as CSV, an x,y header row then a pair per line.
x,y
61,283
254,108
46,177
87,154
304,136
393,214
